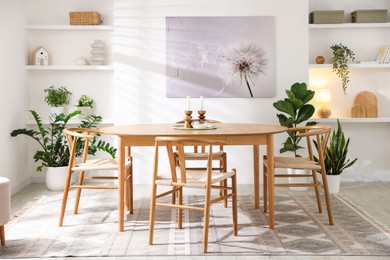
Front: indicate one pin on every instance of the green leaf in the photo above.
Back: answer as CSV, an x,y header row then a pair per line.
x,y
285,106
305,113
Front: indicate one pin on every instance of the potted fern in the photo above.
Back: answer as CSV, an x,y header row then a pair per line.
x,y
336,160
54,152
57,99
84,104
295,110
341,55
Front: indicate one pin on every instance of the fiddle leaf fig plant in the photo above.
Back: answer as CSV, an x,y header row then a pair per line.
x,y
295,110
341,55
57,97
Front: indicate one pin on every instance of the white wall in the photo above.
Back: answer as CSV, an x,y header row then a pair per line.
x,y
14,93
139,82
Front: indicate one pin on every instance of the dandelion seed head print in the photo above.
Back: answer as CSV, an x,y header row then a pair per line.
x,y
220,57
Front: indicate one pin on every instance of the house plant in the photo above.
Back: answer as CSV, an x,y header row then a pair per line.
x,y
296,110
336,158
341,55
57,98
84,104
54,152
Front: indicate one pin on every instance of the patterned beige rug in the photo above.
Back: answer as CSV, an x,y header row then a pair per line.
x,y
300,230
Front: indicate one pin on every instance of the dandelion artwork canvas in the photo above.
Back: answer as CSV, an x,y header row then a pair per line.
x,y
220,57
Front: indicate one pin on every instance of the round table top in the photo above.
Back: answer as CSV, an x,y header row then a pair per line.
x,y
230,129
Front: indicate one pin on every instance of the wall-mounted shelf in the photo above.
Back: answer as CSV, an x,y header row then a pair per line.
x,y
349,25
353,120
56,67
31,121
368,65
69,27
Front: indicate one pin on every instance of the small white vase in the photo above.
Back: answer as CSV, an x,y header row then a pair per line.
x,y
85,112
56,177
298,180
333,183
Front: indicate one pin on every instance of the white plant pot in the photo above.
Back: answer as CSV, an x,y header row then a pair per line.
x,y
85,112
55,178
298,180
57,110
333,183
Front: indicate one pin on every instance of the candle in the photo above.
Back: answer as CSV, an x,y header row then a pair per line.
x,y
188,103
201,103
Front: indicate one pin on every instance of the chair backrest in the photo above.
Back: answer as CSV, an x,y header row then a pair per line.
x,y
202,148
180,143
76,137
318,133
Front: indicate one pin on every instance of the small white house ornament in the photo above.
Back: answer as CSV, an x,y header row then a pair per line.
x,y
39,56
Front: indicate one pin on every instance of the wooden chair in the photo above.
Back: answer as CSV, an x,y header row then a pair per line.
x,y
83,136
319,133
199,153
180,178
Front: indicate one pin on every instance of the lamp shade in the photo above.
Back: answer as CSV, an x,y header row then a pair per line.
x,y
323,96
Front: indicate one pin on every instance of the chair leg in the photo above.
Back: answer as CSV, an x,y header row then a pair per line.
x,y
152,213
265,187
180,211
206,218
78,194
2,235
224,169
317,190
65,196
129,191
327,198
234,204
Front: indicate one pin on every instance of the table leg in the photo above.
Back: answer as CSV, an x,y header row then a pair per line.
x,y
270,167
256,176
121,174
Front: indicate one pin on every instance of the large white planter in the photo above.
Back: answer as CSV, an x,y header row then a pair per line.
x,y
333,183
55,178
298,180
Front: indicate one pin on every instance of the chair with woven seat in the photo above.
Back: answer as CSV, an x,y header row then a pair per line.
x,y
199,153
315,165
83,136
181,178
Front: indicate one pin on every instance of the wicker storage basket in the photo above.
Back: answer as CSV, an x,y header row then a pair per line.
x,y
84,18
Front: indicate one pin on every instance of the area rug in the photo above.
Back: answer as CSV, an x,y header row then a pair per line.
x,y
300,229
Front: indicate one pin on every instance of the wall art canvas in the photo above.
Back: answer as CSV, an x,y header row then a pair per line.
x,y
220,57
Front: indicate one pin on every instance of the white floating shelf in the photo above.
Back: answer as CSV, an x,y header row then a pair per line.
x,y
353,120
62,67
349,25
367,65
69,27
73,122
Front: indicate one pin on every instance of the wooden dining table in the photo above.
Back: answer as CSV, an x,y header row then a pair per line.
x,y
231,133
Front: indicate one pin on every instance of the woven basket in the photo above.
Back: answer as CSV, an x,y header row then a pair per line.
x,y
84,18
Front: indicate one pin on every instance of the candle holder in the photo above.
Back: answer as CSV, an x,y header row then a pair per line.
x,y
202,116
187,119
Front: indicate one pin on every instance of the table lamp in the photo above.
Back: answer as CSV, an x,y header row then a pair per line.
x,y
323,97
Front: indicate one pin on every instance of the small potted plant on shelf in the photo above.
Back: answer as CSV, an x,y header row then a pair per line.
x,y
84,104
336,158
57,98
341,55
53,154
296,110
